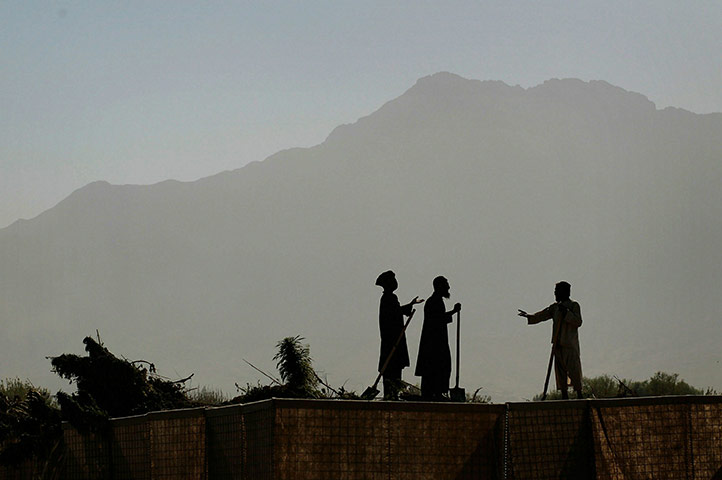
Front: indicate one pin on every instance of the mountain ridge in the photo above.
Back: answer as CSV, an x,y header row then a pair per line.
x,y
504,194
433,80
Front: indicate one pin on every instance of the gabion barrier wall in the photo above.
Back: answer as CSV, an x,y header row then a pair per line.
x,y
177,444
672,438
382,440
25,470
225,442
549,440
130,448
676,438
297,439
654,438
87,456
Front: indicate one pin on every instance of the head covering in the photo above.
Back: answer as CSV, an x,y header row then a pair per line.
x,y
385,278
440,282
565,288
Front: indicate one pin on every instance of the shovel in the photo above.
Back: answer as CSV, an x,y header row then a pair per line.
x,y
371,392
457,394
557,336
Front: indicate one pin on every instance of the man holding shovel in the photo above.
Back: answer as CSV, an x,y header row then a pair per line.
x,y
567,318
391,325
433,364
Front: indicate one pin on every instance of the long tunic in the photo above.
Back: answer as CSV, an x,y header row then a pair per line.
x,y
391,324
567,359
434,357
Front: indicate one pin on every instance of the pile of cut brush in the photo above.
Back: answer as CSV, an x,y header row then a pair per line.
x,y
108,386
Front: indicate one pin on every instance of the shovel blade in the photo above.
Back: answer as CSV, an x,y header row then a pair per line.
x,y
370,393
457,394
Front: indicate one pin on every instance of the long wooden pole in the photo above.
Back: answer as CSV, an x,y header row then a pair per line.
x,y
458,331
371,391
549,371
551,357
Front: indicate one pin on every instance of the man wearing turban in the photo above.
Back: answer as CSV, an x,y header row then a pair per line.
x,y
391,326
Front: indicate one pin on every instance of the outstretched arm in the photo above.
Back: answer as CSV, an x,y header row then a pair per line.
x,y
406,309
537,317
415,301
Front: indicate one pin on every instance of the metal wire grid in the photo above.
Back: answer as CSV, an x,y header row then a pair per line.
x,y
645,442
25,470
357,440
654,438
447,443
130,449
86,455
315,443
549,441
224,434
258,438
706,421
670,439
177,445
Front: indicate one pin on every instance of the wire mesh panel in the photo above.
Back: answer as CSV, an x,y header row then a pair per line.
x,y
313,442
319,440
130,448
653,438
177,444
659,438
26,470
642,439
258,434
707,439
224,434
87,455
550,440
445,441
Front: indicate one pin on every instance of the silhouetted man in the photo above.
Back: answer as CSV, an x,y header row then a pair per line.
x,y
433,364
567,318
391,325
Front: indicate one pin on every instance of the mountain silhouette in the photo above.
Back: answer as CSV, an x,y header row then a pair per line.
x,y
501,189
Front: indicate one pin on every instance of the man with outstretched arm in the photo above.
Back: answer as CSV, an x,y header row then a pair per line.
x,y
391,326
567,318
433,363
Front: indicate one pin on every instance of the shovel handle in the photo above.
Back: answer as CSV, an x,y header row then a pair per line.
x,y
393,350
458,348
557,334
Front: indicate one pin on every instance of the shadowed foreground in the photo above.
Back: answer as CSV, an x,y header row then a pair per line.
x,y
660,438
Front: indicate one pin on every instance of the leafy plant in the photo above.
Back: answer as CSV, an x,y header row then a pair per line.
x,y
477,398
29,428
294,363
663,383
298,378
607,386
15,388
207,396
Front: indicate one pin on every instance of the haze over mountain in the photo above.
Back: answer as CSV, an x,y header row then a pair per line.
x,y
504,190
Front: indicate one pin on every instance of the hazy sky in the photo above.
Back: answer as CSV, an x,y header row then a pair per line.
x,y
139,92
